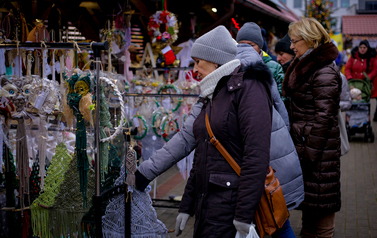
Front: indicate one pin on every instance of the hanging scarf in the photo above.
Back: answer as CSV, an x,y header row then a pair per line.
x,y
42,147
22,161
104,121
74,100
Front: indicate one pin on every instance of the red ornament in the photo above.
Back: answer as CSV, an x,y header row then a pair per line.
x,y
158,38
163,16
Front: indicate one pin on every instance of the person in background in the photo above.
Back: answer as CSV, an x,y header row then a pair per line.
x,y
265,45
313,84
343,61
363,64
250,33
284,52
345,96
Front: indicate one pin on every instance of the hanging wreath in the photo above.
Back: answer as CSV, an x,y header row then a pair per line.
x,y
170,33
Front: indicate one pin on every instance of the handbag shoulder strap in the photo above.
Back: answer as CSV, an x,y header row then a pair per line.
x,y
221,149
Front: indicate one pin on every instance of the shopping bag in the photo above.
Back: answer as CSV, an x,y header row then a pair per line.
x,y
252,233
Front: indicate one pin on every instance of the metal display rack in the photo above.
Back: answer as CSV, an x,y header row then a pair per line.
x,y
96,47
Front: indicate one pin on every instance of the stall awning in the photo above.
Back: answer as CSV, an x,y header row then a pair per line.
x,y
359,25
268,10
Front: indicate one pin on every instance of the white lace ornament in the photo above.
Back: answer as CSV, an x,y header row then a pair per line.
x,y
144,222
118,129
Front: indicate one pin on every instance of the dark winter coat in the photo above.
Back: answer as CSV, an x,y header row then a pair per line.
x,y
240,115
314,85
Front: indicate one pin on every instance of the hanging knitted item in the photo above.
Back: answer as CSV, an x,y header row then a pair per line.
x,y
113,173
69,206
17,92
40,207
14,183
114,168
130,168
22,162
42,100
35,182
79,99
144,222
104,121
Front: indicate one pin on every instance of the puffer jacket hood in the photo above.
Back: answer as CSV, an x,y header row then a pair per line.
x,y
251,59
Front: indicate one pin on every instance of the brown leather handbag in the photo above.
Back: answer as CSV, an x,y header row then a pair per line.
x,y
272,211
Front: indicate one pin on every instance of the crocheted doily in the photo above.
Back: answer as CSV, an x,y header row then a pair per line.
x,y
144,222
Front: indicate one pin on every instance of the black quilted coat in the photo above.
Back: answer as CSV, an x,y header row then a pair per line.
x,y
240,116
314,85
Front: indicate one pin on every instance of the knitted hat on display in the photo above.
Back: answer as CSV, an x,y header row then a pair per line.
x,y
216,46
251,32
284,44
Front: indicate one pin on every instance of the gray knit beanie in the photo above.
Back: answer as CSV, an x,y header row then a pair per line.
x,y
216,46
251,32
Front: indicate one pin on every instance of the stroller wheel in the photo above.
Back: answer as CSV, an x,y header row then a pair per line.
x,y
372,137
366,137
348,133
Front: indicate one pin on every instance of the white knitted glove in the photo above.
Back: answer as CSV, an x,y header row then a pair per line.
x,y
241,227
180,223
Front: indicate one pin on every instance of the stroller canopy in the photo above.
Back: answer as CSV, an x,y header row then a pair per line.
x,y
364,85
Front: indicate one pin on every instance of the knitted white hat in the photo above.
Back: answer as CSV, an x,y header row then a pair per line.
x,y
355,92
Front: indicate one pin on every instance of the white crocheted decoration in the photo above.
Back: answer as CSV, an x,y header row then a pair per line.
x,y
144,222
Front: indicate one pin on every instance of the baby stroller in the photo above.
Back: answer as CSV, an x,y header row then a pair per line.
x,y
358,116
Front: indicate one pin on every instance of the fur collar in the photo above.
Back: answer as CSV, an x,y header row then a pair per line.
x,y
301,70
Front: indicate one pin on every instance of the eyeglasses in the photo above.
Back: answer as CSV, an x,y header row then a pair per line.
x,y
294,42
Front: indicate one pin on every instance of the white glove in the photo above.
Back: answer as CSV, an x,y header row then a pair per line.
x,y
241,227
180,223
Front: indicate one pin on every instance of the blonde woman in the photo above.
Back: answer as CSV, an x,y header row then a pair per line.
x,y
313,84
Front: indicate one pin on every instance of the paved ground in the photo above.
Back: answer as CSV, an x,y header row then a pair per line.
x,y
358,215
